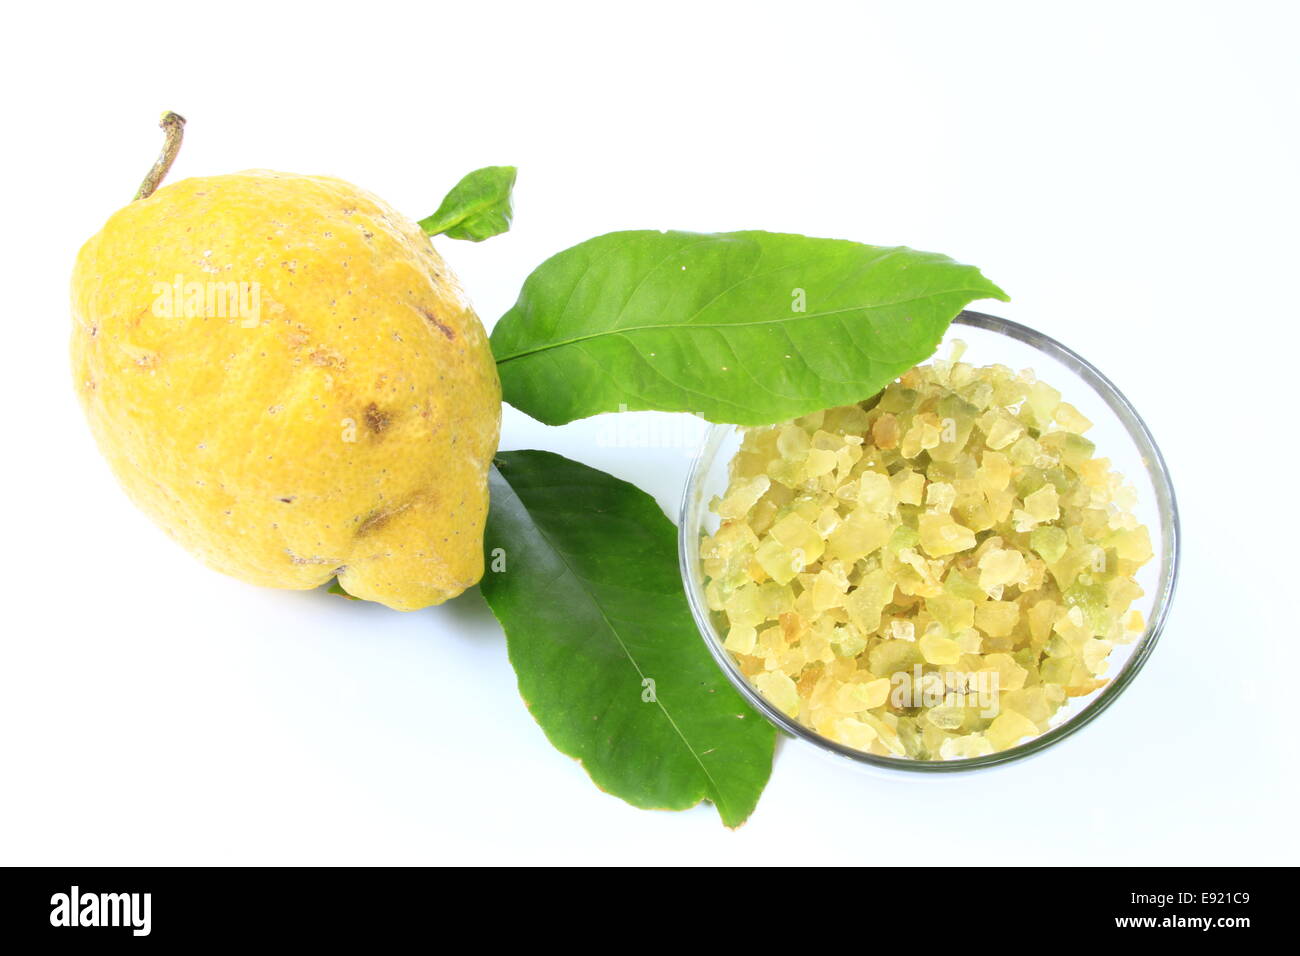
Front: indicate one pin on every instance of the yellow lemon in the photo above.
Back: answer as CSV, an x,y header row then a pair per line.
x,y
285,375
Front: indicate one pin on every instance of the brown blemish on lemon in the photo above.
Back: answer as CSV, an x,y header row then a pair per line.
x,y
376,419
440,326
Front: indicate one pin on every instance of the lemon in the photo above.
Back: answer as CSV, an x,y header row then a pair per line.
x,y
283,373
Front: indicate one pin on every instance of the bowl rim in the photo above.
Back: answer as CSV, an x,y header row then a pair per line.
x,y
1166,507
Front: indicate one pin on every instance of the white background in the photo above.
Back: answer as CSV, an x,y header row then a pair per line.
x,y
1125,170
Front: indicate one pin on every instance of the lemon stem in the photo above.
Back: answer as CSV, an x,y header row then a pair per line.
x,y
173,125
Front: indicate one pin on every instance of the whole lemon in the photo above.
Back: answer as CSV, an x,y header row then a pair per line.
x,y
285,375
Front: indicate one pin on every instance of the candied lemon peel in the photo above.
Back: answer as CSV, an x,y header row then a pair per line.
x,y
344,426
929,574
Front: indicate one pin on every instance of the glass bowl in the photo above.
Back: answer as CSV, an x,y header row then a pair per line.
x,y
1119,434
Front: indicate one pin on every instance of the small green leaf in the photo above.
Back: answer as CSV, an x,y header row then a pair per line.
x,y
582,573
336,588
746,328
477,208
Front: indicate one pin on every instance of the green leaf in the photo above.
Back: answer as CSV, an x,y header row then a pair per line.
x,y
608,657
746,328
336,588
477,208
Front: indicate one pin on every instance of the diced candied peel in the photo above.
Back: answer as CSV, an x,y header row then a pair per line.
x,y
884,432
997,618
1011,676
780,690
743,495
853,698
901,630
877,565
939,649
1070,418
941,535
1001,566
854,733
1002,431
859,534
740,639
1043,504
1008,729
908,486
